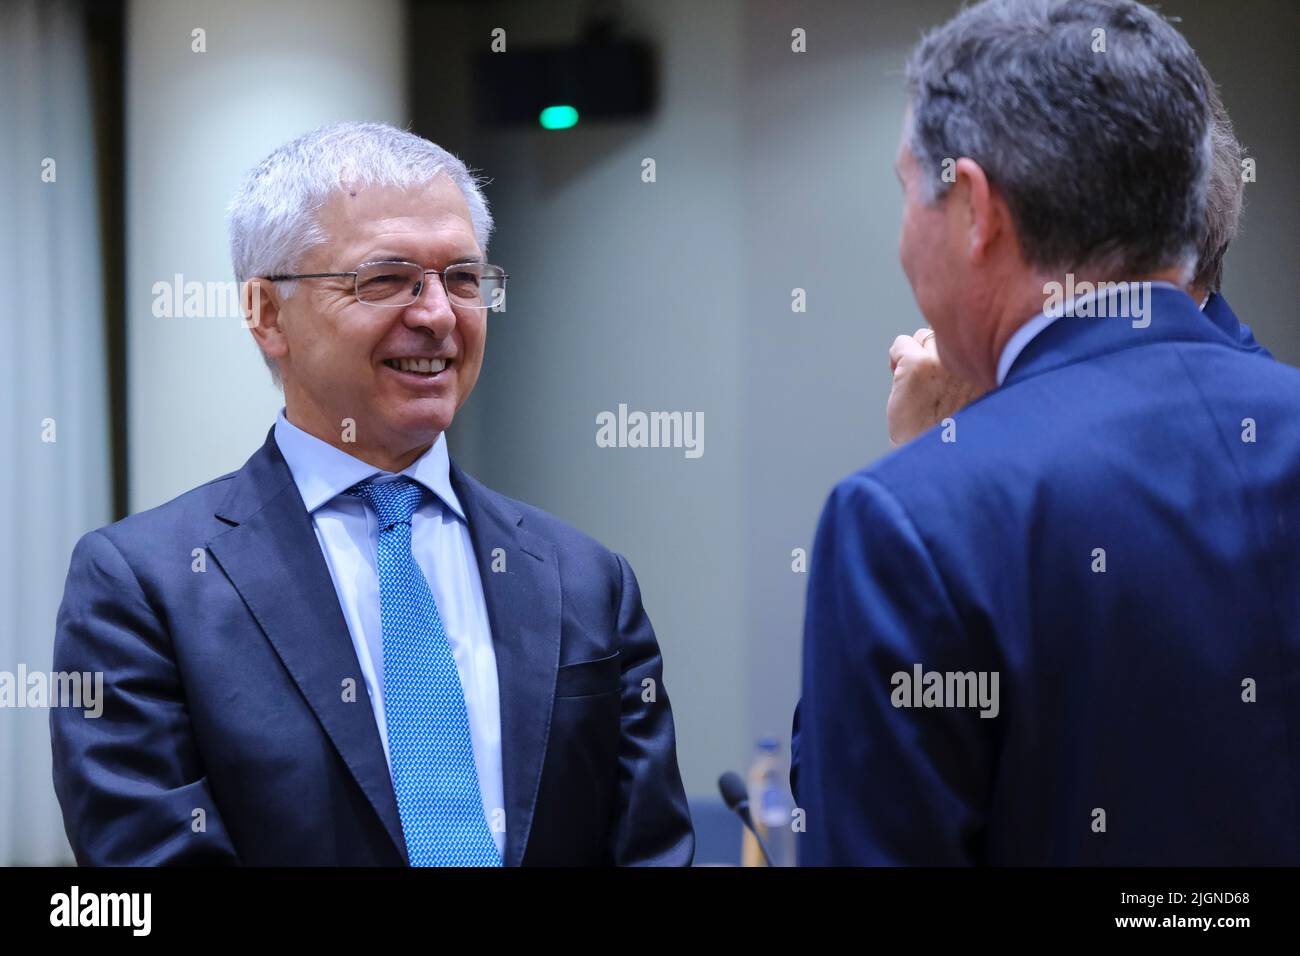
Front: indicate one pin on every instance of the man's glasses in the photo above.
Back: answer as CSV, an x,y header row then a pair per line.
x,y
471,285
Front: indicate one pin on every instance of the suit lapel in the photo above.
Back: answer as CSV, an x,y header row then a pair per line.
x,y
274,560
523,603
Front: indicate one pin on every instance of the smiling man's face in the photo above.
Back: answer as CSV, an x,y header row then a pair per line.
x,y
339,352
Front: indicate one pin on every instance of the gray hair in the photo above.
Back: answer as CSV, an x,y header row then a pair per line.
x,y
1223,198
1102,157
272,217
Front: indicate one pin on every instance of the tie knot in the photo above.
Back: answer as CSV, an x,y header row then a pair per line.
x,y
394,501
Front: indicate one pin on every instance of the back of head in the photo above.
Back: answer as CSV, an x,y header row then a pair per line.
x,y
1091,118
1223,197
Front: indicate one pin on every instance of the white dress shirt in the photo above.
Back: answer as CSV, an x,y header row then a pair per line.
x,y
1022,336
348,532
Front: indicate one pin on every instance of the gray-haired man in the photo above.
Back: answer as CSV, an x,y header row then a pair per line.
x,y
923,393
385,662
1041,633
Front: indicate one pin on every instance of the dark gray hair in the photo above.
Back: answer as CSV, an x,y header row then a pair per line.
x,y
1223,197
1102,157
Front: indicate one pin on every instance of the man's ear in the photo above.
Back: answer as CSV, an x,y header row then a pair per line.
x,y
262,313
985,209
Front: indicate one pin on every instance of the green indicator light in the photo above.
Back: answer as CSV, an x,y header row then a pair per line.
x,y
558,117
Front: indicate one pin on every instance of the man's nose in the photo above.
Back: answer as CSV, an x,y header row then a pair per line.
x,y
431,308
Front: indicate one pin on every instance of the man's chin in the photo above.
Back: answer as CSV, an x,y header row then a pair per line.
x,y
421,421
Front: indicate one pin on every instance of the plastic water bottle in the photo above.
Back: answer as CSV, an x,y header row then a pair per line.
x,y
771,806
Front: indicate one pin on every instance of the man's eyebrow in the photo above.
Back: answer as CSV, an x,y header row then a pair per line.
x,y
388,255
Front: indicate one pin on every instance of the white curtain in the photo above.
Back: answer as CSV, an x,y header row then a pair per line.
x,y
53,379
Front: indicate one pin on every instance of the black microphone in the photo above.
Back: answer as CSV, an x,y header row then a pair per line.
x,y
736,796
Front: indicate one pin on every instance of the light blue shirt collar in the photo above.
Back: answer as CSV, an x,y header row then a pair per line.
x,y
1019,339
323,472
1022,336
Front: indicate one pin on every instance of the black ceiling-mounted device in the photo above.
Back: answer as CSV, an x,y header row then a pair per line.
x,y
558,87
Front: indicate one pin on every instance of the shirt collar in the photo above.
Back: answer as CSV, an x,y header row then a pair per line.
x,y
323,472
1022,336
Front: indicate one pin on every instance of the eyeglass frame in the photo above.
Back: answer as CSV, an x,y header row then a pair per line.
x,y
440,273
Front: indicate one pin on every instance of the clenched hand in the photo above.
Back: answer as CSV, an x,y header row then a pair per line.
x,y
924,392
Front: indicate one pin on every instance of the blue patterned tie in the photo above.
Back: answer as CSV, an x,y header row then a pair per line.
x,y
429,744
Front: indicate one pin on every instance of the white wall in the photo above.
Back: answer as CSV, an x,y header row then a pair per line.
x,y
822,209
200,400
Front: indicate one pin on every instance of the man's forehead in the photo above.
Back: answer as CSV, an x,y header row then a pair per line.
x,y
361,204
358,216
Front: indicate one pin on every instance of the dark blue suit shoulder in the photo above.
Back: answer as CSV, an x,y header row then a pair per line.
x,y
190,509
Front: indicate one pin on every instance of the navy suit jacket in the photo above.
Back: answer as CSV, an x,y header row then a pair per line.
x,y
1149,713
1218,311
224,692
